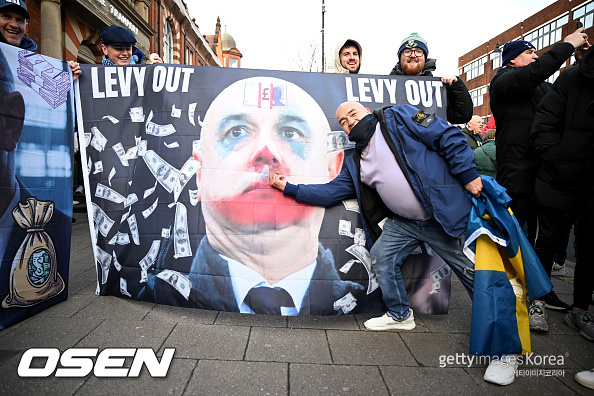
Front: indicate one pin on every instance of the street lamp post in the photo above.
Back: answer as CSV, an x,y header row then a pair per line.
x,y
323,11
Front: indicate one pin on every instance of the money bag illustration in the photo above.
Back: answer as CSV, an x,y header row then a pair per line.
x,y
34,275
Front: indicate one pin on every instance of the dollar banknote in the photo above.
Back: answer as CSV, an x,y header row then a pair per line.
x,y
187,171
178,281
136,114
147,212
149,191
131,199
116,263
193,197
362,254
87,136
181,237
98,141
151,257
344,228
111,118
104,260
351,205
338,141
108,194
191,111
122,238
98,167
346,303
159,130
175,112
102,222
121,153
165,174
141,148
112,173
134,229
124,287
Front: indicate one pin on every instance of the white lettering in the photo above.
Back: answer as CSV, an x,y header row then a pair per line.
x,y
377,89
95,84
110,82
159,77
391,86
139,77
425,93
172,79
349,89
438,85
125,76
147,357
364,89
106,362
79,360
412,92
51,354
187,72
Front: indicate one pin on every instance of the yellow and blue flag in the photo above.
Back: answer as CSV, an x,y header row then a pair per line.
x,y
507,272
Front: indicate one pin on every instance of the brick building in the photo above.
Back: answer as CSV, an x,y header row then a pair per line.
x,y
543,29
69,29
223,44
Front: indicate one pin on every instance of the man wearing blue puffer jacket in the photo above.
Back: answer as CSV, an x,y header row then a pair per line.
x,y
409,173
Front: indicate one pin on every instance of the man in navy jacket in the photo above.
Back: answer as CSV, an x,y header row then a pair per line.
x,y
410,173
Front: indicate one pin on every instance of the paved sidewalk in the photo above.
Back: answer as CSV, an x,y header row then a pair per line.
x,y
231,353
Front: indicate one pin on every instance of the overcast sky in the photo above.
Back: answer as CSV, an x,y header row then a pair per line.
x,y
273,34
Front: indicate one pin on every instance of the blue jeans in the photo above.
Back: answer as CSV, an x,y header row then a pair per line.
x,y
399,238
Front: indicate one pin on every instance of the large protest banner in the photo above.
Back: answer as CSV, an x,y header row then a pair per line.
x,y
36,145
180,208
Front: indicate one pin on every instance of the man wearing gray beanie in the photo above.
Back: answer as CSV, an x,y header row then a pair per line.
x,y
515,92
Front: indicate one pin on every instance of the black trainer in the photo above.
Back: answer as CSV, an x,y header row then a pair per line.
x,y
552,302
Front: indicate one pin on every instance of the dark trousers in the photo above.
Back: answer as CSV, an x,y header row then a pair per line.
x,y
525,211
552,226
583,279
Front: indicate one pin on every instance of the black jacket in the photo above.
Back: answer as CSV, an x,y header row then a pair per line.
x,y
563,134
473,140
459,109
515,94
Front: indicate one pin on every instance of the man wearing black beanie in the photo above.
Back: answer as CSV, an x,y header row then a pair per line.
x,y
515,93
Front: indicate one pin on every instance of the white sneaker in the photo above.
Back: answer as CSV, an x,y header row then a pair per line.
x,y
502,371
387,323
558,269
585,378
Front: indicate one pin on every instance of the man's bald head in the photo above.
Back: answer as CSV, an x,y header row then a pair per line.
x,y
349,114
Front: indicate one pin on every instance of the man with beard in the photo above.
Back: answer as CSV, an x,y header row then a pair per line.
x,y
413,61
347,57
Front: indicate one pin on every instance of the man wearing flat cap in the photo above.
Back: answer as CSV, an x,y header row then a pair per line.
x,y
515,92
116,44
